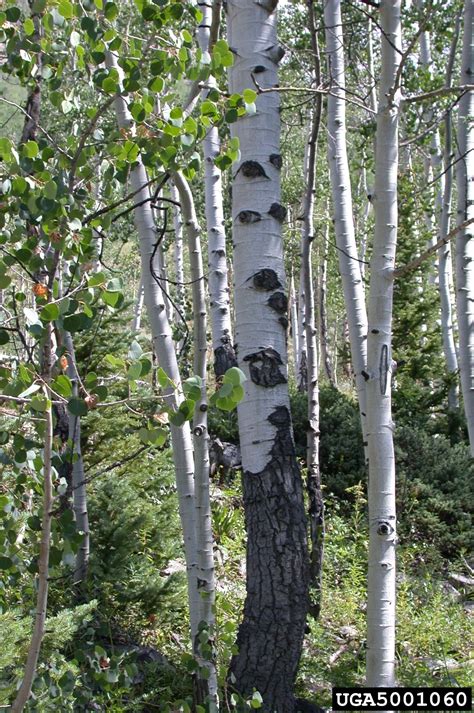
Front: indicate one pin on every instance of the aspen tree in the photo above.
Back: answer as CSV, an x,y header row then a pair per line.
x,y
166,353
382,523
349,265
270,637
222,339
465,211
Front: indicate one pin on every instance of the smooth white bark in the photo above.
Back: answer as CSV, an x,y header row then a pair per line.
x,y
382,516
465,240
204,537
439,165
252,33
349,265
166,353
138,309
294,326
218,283
79,492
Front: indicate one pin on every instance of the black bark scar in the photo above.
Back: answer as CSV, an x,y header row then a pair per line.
x,y
264,367
266,280
278,302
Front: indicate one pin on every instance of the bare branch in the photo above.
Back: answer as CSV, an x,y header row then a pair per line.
x,y
414,264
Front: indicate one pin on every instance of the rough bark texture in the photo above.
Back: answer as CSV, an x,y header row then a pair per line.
x,y
271,634
382,517
465,240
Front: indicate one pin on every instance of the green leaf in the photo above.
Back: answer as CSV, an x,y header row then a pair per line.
x,y
13,14
5,563
40,403
96,280
5,282
66,9
249,96
50,190
4,337
257,700
135,350
34,523
30,149
62,385
110,10
77,407
163,379
234,376
29,26
134,371
112,299
49,313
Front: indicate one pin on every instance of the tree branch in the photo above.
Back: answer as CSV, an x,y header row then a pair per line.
x,y
413,264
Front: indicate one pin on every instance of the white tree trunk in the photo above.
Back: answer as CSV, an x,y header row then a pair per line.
x,y
222,340
294,326
315,497
349,264
271,634
79,492
166,353
204,537
382,517
138,309
439,166
445,264
178,248
302,377
323,317
465,240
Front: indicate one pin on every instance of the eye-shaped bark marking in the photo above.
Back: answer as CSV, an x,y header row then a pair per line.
x,y
268,5
259,69
279,302
383,369
284,322
275,53
278,212
276,160
266,280
249,216
252,169
264,367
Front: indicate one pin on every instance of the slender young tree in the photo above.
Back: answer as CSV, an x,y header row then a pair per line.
x,y
24,690
79,492
440,168
204,537
271,634
222,340
316,505
382,519
166,353
349,265
465,239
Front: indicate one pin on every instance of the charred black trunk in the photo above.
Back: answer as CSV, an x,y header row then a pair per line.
x,y
271,634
